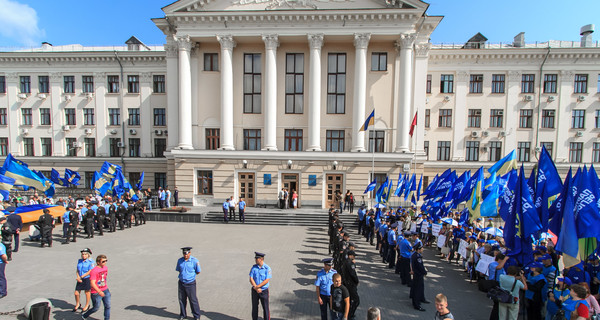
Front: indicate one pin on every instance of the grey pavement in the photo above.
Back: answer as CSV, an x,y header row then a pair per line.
x,y
143,282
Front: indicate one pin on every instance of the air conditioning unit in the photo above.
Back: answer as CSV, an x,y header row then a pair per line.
x,y
120,144
551,98
42,96
132,132
579,134
502,133
113,131
500,112
485,133
406,167
66,128
158,132
474,134
477,112
77,144
67,98
89,95
551,113
22,96
581,98
166,132
88,131
528,98
24,132
484,149
446,98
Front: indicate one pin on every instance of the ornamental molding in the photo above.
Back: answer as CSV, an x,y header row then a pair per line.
x,y
12,77
183,42
422,50
55,77
361,40
567,75
146,77
100,76
282,4
315,41
518,57
514,76
271,41
227,42
171,50
462,76
81,58
406,40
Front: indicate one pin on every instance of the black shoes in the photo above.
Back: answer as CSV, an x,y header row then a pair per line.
x,y
419,308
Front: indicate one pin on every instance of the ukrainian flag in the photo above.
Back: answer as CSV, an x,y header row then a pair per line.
x,y
505,164
369,122
102,183
6,184
19,171
475,200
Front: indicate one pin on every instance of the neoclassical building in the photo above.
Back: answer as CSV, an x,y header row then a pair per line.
x,y
251,96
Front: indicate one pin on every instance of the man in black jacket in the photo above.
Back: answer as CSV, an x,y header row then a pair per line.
x,y
350,280
46,224
16,223
100,217
417,290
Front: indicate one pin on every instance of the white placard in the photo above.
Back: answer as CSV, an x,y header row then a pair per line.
x,y
441,241
435,229
425,227
462,248
413,227
484,263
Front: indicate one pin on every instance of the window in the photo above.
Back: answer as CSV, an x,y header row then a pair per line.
x,y
525,118
294,83
474,118
70,119
379,180
581,81
476,83
252,139
472,151
25,84
548,119
445,119
211,62
3,84
426,148
597,126
578,119
549,147
336,83
71,149
160,180
213,139
158,85
28,147
443,151
252,83
43,84
427,118
4,116
134,177
205,182
69,84
495,152
3,146
87,84
133,84
293,140
88,117
376,140
113,84
90,147
114,117
595,151
160,146
379,61
498,83
428,84
160,117
527,83
26,117
45,117
496,118
447,83
523,151
134,117
89,179
134,147
575,152
334,140
114,149
550,81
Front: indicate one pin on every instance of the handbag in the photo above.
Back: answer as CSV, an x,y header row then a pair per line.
x,y
502,295
485,285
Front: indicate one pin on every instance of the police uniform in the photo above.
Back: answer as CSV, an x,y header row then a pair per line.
x,y
100,217
121,212
90,217
258,274
16,223
6,237
350,280
417,289
66,223
2,269
73,223
46,224
323,283
188,269
392,241
112,215
403,266
130,214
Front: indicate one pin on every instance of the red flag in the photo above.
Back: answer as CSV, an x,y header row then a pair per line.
x,y
413,125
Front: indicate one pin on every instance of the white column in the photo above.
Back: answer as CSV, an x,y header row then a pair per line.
x,y
361,42
227,45
405,43
271,44
146,131
185,92
172,79
420,97
459,116
514,103
102,134
563,117
14,109
315,42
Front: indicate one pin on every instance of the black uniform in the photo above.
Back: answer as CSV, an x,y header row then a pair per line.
x,y
46,224
417,290
100,217
16,223
350,280
6,233
121,212
89,223
130,214
141,212
112,215
74,218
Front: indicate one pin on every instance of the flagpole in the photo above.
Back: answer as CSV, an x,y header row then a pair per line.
x,y
372,162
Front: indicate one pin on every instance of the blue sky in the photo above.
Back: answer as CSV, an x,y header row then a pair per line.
x,y
111,22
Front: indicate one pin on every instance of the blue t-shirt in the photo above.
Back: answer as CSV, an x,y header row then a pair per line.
x,y
188,269
405,248
493,272
66,218
84,266
361,214
324,281
226,205
242,205
260,274
2,251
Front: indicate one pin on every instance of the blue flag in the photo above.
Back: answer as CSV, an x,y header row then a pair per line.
x,y
380,192
370,187
467,190
72,177
567,242
19,171
399,186
489,206
507,193
102,183
556,209
548,187
408,186
6,183
506,164
110,168
55,177
419,188
586,213
141,182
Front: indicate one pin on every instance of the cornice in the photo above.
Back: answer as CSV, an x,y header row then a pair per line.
x,y
81,57
523,55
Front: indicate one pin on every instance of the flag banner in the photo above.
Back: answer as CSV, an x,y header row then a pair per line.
x,y
6,183
72,177
369,122
413,125
371,186
55,177
506,164
19,171
141,182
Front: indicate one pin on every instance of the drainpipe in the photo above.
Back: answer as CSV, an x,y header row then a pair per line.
x,y
121,89
539,106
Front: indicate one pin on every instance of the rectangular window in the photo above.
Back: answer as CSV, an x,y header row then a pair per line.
x,y
3,84
160,146
472,151
293,140
205,182
252,83
213,139
377,141
134,177
426,149
114,116
88,117
548,118
550,81
46,147
25,84
523,151
595,151
294,83
26,117
211,62
87,84
525,118
498,83
71,147
89,178
160,180
133,84
597,119
45,118
427,118
527,83
114,149
252,139
113,84
336,83
496,118
578,119
90,147
379,61
134,116
476,83
428,84
474,118
549,147
581,81
576,152
443,151
28,147
445,118
447,83
160,117
43,84
495,152
3,146
134,147
70,118
4,116
158,84
69,84
335,140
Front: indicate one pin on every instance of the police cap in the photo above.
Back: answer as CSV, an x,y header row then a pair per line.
x,y
328,261
86,250
186,250
351,253
258,255
11,209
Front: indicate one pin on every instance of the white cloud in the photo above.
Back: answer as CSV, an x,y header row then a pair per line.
x,y
20,23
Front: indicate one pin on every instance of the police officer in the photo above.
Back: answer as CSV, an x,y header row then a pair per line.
x,y
130,214
391,239
112,215
350,280
66,223
417,289
121,212
74,218
323,283
3,263
142,212
6,232
403,266
361,219
260,275
100,217
16,223
46,224
188,267
90,217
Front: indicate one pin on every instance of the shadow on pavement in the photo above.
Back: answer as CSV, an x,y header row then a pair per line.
x,y
155,311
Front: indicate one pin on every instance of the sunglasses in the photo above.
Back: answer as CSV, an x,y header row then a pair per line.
x,y
104,261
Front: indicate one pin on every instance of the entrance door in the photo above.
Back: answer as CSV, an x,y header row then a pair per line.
x,y
246,180
335,182
290,182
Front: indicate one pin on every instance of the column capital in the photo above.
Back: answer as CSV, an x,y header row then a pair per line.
x,y
567,76
55,77
100,76
462,76
12,77
422,50
184,42
361,40
315,41
406,40
226,41
171,49
271,41
146,77
514,76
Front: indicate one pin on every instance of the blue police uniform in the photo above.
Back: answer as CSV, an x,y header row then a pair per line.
x,y
260,274
188,269
2,274
417,289
242,207
391,240
361,219
324,282
225,210
66,223
84,266
404,265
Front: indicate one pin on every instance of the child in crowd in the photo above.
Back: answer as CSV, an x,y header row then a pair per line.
x,y
441,308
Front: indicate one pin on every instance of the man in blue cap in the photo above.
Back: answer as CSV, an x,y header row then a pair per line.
x,y
403,266
549,271
260,276
188,267
323,283
391,240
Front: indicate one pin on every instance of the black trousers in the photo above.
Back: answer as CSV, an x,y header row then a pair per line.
x,y
404,270
231,213
112,225
324,307
46,236
66,228
101,226
417,291
263,297
72,231
391,257
354,301
187,291
16,241
89,229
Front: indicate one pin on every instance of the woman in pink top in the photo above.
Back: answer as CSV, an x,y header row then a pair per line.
x,y
591,300
98,281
